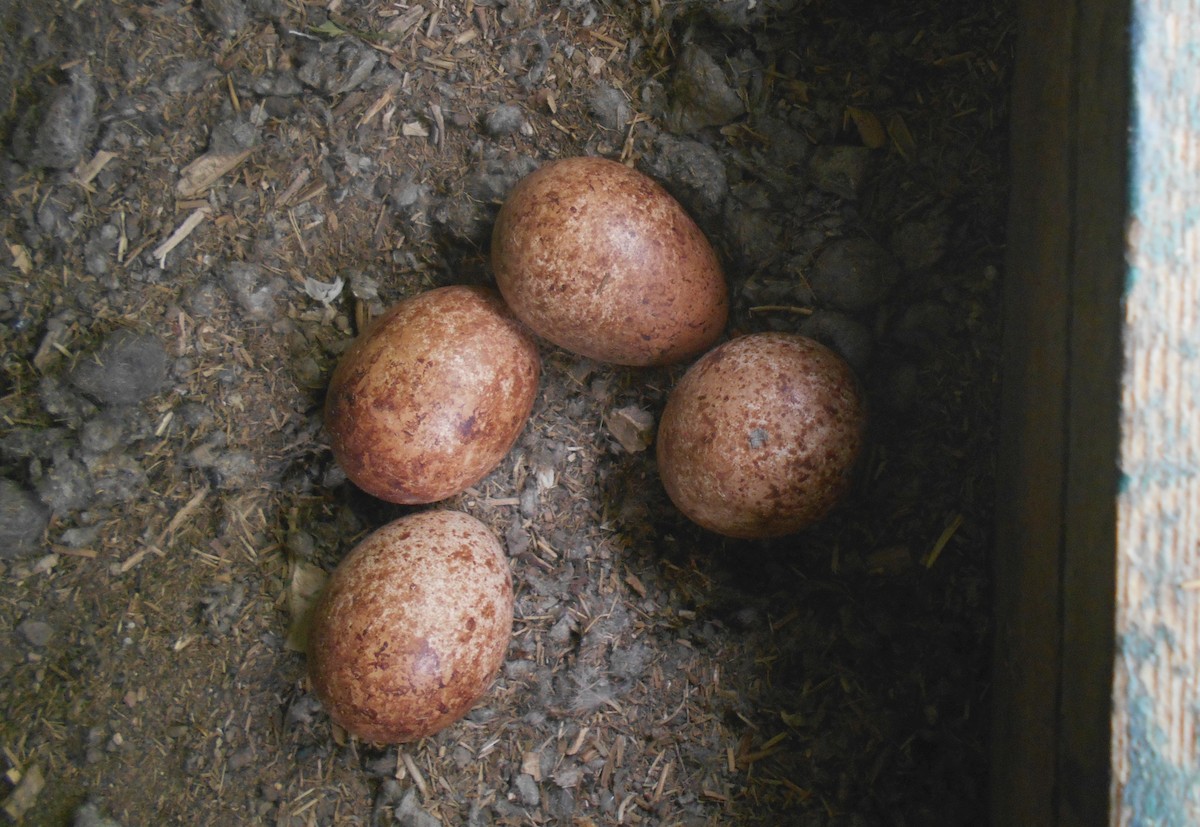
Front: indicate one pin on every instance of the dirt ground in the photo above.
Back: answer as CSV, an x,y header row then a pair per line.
x,y
203,202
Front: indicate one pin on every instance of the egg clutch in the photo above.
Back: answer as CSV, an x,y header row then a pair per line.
x,y
758,439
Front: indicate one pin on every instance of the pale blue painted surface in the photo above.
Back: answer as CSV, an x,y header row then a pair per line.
x,y
1161,789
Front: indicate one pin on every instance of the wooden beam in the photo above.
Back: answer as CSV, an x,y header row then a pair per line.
x,y
1031,469
1099,211
1057,481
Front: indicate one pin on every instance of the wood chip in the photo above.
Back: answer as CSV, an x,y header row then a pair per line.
x,y
183,231
947,533
531,765
632,427
634,583
902,139
25,794
870,130
206,170
417,777
305,582
382,101
21,258
439,123
285,198
92,168
182,514
580,737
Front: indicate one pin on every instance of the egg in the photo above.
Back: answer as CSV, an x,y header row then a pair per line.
x,y
761,435
600,260
432,396
412,627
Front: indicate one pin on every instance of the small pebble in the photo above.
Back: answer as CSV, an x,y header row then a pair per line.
x,y
37,633
338,66
492,179
527,790
103,432
56,131
692,172
609,106
28,443
924,325
63,402
850,338
840,170
126,369
89,816
853,274
241,759
277,84
232,136
921,243
79,537
189,76
411,814
701,94
253,290
227,17
64,484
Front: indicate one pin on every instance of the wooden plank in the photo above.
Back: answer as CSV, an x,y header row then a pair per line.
x,y
1157,670
1099,211
1030,469
1057,481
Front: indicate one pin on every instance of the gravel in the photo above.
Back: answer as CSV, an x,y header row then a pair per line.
x,y
840,170
37,633
103,432
692,172
189,76
227,17
23,520
63,483
701,94
338,66
843,333
609,106
526,790
853,274
58,129
921,243
89,816
252,289
128,368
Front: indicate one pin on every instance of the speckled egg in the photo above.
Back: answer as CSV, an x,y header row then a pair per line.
x,y
599,259
412,627
432,396
761,435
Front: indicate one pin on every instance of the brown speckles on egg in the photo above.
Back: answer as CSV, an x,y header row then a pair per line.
x,y
412,627
761,435
602,261
432,395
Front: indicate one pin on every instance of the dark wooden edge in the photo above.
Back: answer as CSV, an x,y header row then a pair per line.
x,y
1031,469
1055,544
1100,208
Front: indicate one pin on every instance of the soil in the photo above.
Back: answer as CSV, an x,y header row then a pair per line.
x,y
204,202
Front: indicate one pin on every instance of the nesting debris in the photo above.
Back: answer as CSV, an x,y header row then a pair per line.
x,y
212,165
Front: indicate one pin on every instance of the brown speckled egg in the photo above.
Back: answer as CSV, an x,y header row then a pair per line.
x,y
432,395
602,261
761,435
412,627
